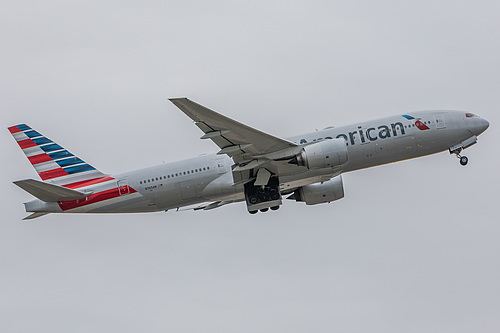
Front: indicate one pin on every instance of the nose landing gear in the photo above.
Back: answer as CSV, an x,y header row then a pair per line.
x,y
463,159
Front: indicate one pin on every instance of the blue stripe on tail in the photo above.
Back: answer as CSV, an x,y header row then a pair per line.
x,y
69,161
32,134
41,141
79,168
23,127
51,147
60,154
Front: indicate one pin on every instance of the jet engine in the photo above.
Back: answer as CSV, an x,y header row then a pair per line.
x,y
324,192
324,154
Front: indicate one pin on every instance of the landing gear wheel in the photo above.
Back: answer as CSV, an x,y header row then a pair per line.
x,y
275,195
263,210
275,207
464,160
253,212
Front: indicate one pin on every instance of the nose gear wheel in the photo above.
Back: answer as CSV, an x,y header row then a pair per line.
x,y
463,159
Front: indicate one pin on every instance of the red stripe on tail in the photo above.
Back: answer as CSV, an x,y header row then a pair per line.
x,y
53,174
39,158
26,143
14,129
88,182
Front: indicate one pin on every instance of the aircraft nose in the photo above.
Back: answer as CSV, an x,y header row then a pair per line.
x,y
484,125
478,125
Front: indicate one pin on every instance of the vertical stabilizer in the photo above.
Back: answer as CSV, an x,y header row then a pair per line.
x,y
53,163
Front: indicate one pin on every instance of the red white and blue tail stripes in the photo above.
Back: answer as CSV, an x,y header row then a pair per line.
x,y
53,163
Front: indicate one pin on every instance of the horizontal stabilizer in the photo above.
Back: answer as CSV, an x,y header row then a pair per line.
x,y
35,215
49,192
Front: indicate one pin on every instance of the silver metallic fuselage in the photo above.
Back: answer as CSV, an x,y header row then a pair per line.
x,y
209,178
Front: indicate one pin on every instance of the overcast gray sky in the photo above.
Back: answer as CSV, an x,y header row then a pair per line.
x,y
413,247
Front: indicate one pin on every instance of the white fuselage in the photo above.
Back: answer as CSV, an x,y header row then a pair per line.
x,y
209,178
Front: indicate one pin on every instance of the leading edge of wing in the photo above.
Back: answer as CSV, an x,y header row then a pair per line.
x,y
231,136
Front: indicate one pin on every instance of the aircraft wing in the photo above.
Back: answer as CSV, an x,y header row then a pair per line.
x,y
235,139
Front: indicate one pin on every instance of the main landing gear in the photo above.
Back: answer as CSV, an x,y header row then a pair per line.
x,y
263,197
263,210
463,159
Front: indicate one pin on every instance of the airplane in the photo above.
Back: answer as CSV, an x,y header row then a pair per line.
x,y
252,166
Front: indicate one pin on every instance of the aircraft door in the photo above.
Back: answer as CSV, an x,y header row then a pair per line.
x,y
439,118
221,165
123,187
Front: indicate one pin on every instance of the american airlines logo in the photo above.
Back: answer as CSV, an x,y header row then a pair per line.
x,y
420,125
365,135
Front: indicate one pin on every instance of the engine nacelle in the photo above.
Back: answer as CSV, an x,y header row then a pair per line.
x,y
325,154
324,192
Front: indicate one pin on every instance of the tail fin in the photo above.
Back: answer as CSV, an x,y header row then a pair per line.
x,y
53,163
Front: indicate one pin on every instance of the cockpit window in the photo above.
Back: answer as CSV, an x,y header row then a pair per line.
x,y
470,115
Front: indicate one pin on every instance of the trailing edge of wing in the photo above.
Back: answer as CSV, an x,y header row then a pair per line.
x,y
232,137
49,192
212,205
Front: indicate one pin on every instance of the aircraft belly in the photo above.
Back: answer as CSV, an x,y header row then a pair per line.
x,y
133,203
165,197
173,194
